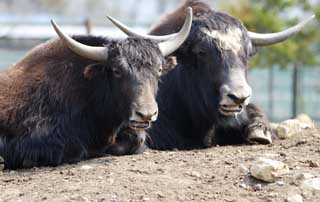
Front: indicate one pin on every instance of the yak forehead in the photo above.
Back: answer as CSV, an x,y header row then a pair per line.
x,y
141,54
229,39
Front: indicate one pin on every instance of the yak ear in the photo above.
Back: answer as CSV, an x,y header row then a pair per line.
x,y
170,64
91,71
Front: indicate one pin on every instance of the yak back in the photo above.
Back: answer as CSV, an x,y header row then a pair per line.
x,y
48,80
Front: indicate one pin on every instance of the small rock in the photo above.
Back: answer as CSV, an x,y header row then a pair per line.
x,y
303,176
146,199
295,198
313,164
312,185
290,127
160,195
243,185
280,183
244,168
268,170
305,118
257,187
86,167
273,195
195,174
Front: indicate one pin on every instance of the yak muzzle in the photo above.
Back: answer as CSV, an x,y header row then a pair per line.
x,y
234,99
143,115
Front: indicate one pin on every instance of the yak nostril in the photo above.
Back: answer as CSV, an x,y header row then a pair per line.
x,y
140,114
238,100
146,116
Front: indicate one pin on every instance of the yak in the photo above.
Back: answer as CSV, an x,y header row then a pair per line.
x,y
205,100
68,97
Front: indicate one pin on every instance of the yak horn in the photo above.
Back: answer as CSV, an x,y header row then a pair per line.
x,y
168,47
90,52
130,32
273,38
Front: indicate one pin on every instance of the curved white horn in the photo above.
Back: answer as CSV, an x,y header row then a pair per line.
x,y
273,38
168,47
130,32
90,52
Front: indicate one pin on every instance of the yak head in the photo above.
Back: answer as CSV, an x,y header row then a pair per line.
x,y
129,68
222,47
217,52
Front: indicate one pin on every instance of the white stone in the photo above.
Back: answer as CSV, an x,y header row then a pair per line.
x,y
305,118
257,187
243,168
268,170
243,185
86,167
295,198
195,174
312,185
290,127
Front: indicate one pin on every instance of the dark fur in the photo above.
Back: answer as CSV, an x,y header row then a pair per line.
x,y
57,107
188,97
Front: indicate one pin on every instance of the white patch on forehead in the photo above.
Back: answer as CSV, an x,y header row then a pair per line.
x,y
229,40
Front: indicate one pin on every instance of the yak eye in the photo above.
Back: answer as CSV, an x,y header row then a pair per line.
x,y
116,72
160,71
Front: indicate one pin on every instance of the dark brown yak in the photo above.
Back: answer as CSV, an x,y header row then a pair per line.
x,y
65,100
204,101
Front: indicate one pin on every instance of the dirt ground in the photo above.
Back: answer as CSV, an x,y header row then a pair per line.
x,y
215,174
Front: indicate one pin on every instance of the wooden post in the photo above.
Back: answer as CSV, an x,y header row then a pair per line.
x,y
88,25
270,92
295,89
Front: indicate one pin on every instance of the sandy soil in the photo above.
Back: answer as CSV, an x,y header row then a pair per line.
x,y
215,174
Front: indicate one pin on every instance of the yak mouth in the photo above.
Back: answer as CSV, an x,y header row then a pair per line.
x,y
230,110
139,125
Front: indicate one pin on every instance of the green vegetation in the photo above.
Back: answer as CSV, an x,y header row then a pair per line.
x,y
275,15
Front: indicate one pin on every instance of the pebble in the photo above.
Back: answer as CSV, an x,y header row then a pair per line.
x,y
313,164
303,176
304,118
295,198
311,185
243,185
244,168
86,167
257,187
195,174
268,170
280,183
290,127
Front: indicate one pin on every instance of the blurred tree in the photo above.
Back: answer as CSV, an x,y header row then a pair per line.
x,y
301,50
276,15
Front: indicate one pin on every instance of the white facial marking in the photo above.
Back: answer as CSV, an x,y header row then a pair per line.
x,y
229,40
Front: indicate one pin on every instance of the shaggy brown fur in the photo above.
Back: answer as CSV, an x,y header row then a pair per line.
x,y
57,107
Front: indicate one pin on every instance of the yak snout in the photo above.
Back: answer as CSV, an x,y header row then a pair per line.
x,y
234,97
145,109
147,112
143,115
